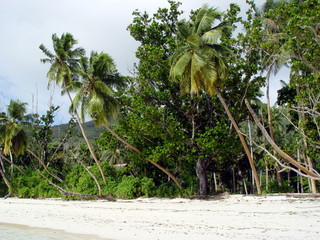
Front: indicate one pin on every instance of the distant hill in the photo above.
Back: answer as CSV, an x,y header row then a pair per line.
x,y
91,131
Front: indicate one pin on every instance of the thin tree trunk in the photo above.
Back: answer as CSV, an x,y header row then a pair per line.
x,y
275,146
11,167
88,142
6,181
7,160
138,151
267,178
215,182
270,119
44,166
243,142
245,185
310,164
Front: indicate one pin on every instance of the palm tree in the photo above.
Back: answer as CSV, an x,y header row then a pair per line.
x,y
198,65
13,136
63,70
95,95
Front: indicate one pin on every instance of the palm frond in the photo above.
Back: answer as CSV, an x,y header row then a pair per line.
x,y
211,37
179,67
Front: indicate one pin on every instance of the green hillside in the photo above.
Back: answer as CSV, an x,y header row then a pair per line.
x,y
91,131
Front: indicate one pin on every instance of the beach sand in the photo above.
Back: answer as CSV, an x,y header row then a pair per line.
x,y
236,217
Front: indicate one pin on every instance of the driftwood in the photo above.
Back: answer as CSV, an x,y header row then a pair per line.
x,y
88,196
220,196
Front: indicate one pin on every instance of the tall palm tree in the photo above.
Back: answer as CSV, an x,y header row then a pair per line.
x,y
63,70
95,96
198,64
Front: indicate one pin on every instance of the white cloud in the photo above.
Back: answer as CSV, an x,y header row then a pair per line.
x,y
98,25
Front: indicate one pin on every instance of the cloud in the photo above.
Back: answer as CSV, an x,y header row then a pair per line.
x,y
99,25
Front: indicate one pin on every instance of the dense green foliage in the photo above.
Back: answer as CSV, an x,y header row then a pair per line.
x,y
168,112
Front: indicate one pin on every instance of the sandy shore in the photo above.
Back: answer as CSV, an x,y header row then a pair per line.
x,y
237,217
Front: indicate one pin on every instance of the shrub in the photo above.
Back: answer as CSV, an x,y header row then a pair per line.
x,y
33,186
273,187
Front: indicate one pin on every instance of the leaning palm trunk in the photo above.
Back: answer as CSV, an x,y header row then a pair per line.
x,y
87,141
44,166
6,181
138,151
243,142
276,147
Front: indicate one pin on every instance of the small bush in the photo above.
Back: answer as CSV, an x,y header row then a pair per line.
x,y
167,190
128,187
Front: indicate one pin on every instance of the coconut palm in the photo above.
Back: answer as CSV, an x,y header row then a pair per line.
x,y
198,64
12,134
63,71
95,96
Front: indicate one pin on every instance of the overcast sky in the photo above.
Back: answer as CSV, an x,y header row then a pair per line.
x,y
98,25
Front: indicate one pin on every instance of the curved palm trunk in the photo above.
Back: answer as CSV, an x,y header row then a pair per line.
x,y
275,146
44,166
243,141
270,118
150,161
87,142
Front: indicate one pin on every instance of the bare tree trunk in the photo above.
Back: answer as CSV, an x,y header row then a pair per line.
x,y
270,120
243,142
88,142
310,164
215,182
202,177
267,178
275,146
245,185
138,151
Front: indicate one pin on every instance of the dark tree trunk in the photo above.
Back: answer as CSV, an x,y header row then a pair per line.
x,y
202,177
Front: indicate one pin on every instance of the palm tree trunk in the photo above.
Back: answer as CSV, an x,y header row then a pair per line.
x,y
87,141
275,146
138,151
243,142
6,181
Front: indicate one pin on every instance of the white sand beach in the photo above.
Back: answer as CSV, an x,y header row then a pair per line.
x,y
236,217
